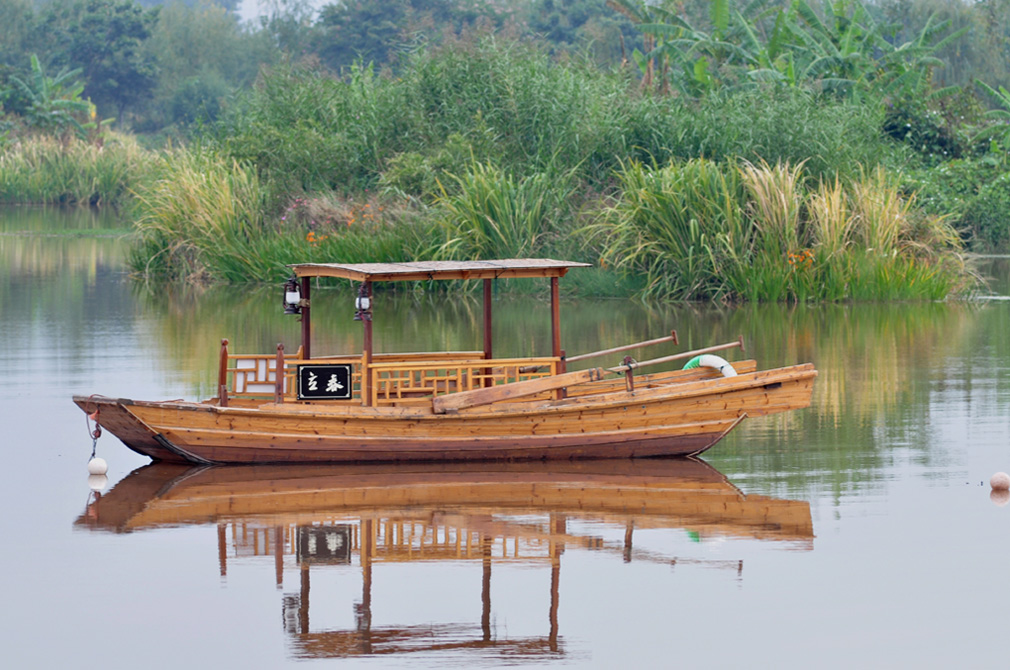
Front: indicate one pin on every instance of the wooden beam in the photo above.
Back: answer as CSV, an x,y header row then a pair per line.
x,y
486,396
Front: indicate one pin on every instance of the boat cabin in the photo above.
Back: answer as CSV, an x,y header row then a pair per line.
x,y
400,379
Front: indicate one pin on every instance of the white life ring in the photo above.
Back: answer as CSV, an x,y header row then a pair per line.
x,y
709,361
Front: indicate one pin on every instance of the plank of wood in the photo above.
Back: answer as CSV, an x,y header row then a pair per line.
x,y
493,394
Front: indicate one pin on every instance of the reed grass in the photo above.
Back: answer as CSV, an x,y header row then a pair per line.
x,y
830,219
776,197
202,220
673,225
880,210
197,218
49,170
493,214
745,232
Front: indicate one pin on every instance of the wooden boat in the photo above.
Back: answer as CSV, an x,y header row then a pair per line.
x,y
448,406
337,517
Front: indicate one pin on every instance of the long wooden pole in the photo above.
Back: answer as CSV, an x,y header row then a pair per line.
x,y
687,354
672,337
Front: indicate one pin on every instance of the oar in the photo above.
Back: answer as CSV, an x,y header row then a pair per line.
x,y
672,337
486,396
493,394
687,354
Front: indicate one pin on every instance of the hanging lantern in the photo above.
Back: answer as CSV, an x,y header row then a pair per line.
x,y
292,296
362,305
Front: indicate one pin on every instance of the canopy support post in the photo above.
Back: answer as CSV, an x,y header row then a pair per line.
x,y
366,372
555,319
306,319
556,331
487,331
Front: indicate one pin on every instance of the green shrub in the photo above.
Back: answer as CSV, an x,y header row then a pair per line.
x,y
973,193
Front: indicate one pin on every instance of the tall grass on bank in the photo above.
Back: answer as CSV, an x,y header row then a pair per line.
x,y
197,219
671,224
683,227
492,214
202,219
48,170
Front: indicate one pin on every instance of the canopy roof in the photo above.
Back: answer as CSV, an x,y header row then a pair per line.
x,y
428,270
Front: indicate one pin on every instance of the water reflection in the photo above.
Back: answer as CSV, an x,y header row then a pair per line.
x,y
322,518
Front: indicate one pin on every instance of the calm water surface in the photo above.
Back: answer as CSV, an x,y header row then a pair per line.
x,y
857,533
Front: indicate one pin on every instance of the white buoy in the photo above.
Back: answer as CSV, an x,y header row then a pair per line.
x,y
98,482
1000,481
97,466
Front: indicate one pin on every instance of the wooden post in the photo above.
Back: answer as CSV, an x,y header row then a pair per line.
x,y
306,319
365,550
555,319
279,375
303,601
487,318
558,527
556,328
222,549
487,331
552,638
222,375
629,375
279,556
485,591
366,372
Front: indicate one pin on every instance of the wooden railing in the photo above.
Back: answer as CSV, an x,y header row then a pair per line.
x,y
399,381
395,378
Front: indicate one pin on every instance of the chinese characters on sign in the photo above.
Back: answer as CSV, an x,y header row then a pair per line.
x,y
324,382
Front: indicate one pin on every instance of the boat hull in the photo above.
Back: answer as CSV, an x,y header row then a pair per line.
x,y
679,419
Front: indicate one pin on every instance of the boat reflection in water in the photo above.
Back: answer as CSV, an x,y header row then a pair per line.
x,y
371,515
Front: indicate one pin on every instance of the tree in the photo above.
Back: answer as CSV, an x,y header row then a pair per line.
x,y
103,38
16,17
202,55
52,104
351,30
583,25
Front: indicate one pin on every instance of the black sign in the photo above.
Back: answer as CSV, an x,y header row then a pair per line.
x,y
324,544
324,382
